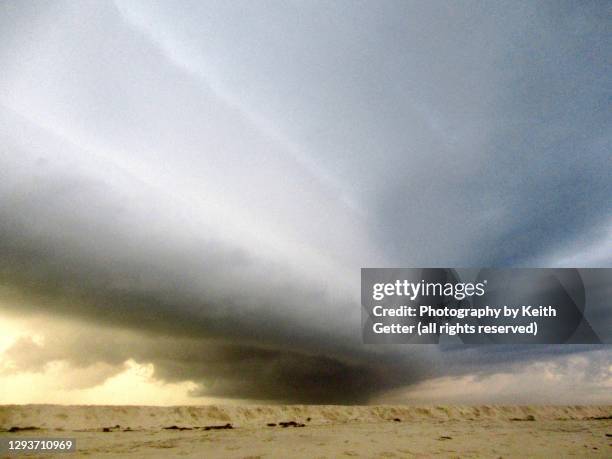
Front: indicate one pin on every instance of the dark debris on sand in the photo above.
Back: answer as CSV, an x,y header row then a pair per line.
x,y
21,429
291,424
112,429
225,426
221,427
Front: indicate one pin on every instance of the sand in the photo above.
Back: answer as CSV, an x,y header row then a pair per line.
x,y
327,431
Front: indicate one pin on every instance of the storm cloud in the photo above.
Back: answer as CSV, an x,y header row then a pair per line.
x,y
198,186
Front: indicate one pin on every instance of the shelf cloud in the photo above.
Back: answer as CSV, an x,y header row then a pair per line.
x,y
197,187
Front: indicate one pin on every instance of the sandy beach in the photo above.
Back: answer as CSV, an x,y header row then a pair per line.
x,y
318,431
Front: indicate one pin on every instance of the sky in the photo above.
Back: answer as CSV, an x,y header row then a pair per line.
x,y
189,190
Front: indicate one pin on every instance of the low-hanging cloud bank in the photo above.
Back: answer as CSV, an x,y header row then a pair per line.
x,y
215,193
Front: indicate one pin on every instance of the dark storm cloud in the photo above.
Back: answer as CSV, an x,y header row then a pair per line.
x,y
220,368
215,175
238,324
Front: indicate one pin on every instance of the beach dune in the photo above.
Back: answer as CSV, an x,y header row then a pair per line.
x,y
319,431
